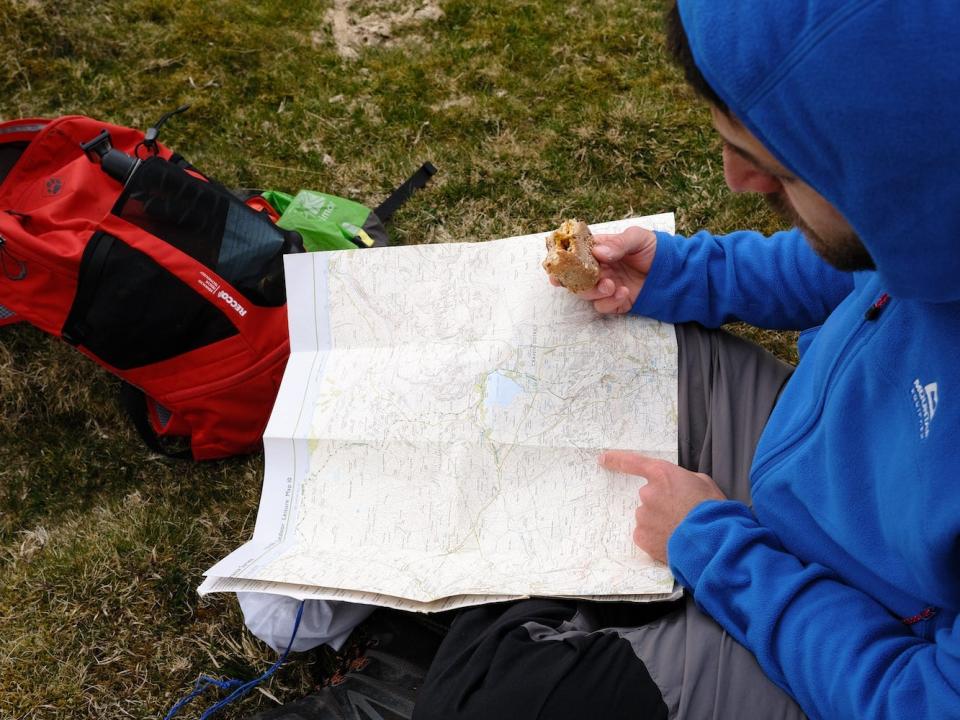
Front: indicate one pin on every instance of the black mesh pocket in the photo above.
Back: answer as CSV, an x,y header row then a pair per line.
x,y
208,223
129,311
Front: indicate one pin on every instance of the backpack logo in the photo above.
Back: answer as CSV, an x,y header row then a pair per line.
x,y
208,283
228,299
212,287
925,400
53,186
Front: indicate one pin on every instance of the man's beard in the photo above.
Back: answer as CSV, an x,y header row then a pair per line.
x,y
845,252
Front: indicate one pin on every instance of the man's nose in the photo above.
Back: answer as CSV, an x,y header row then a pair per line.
x,y
743,176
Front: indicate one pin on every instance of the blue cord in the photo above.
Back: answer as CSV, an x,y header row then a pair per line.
x,y
239,687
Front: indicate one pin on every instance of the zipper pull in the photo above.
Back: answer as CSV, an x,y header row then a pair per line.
x,y
4,254
873,312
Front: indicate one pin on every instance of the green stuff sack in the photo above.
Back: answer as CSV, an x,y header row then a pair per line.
x,y
327,222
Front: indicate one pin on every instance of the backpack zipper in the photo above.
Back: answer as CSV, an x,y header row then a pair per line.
x,y
4,254
51,262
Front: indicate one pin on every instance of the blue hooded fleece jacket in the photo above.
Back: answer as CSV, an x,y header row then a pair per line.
x,y
844,577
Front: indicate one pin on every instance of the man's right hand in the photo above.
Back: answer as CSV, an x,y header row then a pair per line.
x,y
625,260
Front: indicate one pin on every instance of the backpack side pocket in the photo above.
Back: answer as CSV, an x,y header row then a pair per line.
x,y
129,311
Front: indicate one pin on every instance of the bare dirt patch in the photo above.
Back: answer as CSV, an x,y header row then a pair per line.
x,y
353,27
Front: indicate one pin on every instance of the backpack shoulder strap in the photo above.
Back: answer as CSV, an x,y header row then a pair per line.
x,y
134,403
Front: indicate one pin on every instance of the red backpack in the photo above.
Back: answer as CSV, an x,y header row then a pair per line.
x,y
168,280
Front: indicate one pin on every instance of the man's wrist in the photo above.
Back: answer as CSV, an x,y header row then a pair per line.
x,y
663,268
699,537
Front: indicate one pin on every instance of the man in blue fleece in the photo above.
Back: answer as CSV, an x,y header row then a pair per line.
x,y
842,581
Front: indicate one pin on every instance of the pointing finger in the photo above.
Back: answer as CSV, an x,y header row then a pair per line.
x,y
633,464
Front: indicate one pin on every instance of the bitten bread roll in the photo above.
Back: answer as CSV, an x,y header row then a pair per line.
x,y
569,257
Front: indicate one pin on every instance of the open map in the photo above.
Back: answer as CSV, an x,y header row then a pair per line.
x,y
435,440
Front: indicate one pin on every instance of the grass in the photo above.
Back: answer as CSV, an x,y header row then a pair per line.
x,y
532,110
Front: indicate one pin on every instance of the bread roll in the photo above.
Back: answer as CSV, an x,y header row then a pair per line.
x,y
569,257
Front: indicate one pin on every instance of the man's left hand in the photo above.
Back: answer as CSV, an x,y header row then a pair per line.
x,y
669,495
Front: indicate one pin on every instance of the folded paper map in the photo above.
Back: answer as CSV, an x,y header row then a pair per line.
x,y
435,439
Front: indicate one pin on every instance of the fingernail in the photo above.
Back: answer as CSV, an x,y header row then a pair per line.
x,y
604,252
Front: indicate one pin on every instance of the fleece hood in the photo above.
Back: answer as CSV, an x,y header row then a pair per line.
x,y
861,99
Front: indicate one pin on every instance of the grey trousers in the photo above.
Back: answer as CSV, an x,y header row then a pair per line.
x,y
559,659
728,388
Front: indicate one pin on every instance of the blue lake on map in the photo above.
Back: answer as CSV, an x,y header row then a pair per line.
x,y
501,390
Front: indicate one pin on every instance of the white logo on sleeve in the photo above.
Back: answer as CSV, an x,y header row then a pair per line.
x,y
925,399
